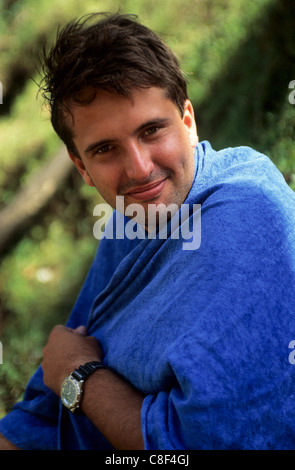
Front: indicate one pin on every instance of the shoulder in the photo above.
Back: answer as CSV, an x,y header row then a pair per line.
x,y
244,175
246,205
234,163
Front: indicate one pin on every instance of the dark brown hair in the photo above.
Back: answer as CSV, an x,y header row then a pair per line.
x,y
106,51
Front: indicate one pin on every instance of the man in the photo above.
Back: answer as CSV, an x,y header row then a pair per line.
x,y
185,347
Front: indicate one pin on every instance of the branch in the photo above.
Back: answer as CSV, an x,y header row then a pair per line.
x,y
30,200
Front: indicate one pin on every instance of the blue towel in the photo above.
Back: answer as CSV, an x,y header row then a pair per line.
x,y
204,333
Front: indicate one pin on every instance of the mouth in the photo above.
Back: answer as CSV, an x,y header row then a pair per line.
x,y
148,191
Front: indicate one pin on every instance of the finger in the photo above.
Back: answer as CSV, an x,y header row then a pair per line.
x,y
81,330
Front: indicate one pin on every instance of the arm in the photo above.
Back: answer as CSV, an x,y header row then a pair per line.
x,y
112,404
6,445
114,407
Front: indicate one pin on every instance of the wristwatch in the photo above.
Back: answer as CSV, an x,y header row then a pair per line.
x,y
72,387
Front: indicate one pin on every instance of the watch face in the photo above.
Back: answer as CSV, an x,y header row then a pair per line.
x,y
70,392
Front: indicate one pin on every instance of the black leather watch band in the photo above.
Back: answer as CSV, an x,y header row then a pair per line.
x,y
83,372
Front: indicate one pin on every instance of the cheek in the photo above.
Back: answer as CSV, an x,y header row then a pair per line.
x,y
168,151
108,180
176,153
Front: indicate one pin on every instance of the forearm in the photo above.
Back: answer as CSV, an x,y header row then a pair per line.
x,y
112,404
6,445
114,407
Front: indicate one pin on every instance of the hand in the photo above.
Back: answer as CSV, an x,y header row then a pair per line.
x,y
112,404
65,351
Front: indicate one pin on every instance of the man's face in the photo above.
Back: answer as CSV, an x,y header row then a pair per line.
x,y
138,147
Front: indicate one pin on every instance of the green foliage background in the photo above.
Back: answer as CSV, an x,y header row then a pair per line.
x,y
239,59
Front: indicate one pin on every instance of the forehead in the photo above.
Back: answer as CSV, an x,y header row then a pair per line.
x,y
101,109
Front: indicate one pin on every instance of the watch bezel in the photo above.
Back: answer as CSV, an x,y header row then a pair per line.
x,y
78,388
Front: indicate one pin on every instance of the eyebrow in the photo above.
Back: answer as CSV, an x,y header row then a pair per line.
x,y
152,122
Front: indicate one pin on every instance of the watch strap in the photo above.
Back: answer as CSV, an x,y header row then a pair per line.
x,y
84,371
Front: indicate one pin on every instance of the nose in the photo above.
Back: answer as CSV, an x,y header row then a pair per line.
x,y
138,162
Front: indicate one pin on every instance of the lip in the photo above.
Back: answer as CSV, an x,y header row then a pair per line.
x,y
149,191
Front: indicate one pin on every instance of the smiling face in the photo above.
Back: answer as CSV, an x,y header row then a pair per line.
x,y
139,147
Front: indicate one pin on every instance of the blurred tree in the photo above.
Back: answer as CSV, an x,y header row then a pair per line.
x,y
248,101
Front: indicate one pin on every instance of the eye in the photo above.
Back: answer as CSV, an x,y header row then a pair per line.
x,y
151,130
104,148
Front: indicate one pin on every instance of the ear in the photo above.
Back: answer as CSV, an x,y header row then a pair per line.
x,y
190,123
81,168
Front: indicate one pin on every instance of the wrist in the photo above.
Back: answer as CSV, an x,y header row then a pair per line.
x,y
73,365
72,388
